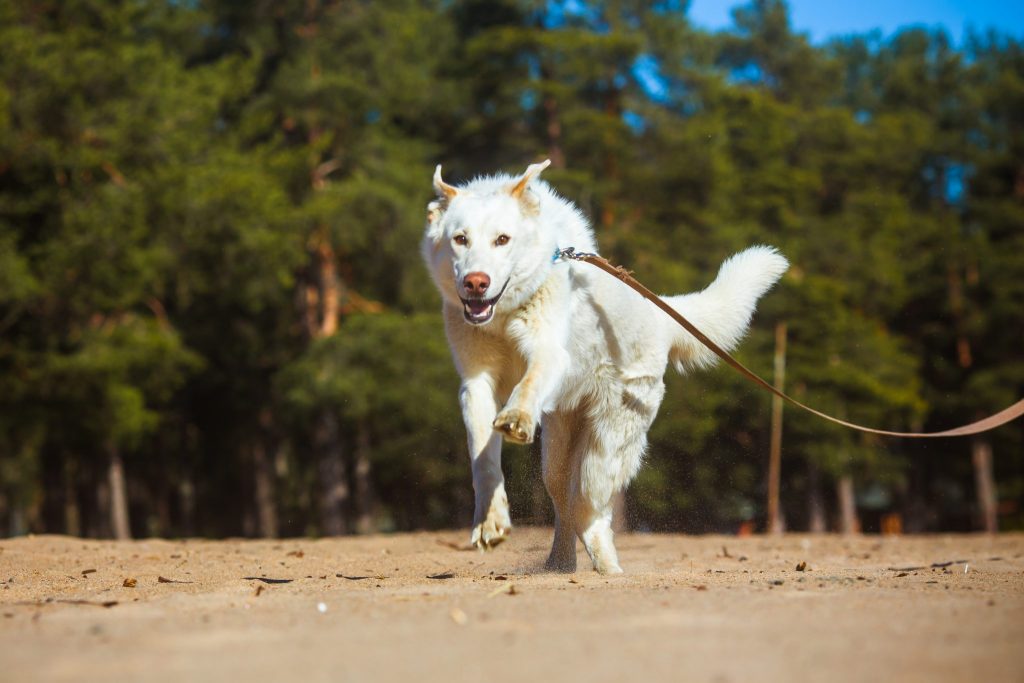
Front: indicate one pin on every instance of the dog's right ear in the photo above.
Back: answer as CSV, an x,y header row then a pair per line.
x,y
445,192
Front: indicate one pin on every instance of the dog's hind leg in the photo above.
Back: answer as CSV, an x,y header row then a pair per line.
x,y
557,457
592,509
614,443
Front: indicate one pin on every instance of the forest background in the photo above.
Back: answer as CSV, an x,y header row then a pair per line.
x,y
214,320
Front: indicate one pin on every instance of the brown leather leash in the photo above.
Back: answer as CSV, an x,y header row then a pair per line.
x,y
984,425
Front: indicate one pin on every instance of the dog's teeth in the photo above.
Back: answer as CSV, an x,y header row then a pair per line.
x,y
476,312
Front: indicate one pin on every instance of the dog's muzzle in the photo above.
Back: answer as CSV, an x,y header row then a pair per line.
x,y
478,311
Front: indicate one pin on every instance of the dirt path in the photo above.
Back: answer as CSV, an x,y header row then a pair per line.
x,y
417,608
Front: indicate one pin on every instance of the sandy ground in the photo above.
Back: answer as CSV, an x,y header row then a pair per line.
x,y
421,608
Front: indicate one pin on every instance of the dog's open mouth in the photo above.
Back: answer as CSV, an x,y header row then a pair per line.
x,y
478,311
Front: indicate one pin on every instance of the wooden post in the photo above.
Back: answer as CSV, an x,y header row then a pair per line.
x,y
774,522
118,494
981,455
848,523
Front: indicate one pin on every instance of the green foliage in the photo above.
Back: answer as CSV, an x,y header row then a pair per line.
x,y
193,194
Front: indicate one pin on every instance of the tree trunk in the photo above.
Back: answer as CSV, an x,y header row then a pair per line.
x,y
816,523
263,477
263,480
612,109
50,519
981,455
334,488
957,306
163,519
18,525
363,483
99,523
325,300
553,122
330,298
119,523
848,523
72,514
319,301
775,525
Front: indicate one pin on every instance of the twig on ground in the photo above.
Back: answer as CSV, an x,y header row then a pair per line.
x,y
933,565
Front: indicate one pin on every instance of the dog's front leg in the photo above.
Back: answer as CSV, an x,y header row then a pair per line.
x,y
540,332
491,522
518,420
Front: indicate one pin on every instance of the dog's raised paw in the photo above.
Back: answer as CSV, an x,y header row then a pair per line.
x,y
515,425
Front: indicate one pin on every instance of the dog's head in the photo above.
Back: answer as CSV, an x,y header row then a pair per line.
x,y
484,243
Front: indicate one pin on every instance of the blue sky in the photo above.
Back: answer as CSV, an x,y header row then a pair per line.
x,y
823,19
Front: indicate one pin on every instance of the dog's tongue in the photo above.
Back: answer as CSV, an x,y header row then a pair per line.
x,y
476,307
478,310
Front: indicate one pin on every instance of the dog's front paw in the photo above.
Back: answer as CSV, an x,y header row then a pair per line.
x,y
515,425
495,528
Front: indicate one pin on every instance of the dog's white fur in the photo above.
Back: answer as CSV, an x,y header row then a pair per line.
x,y
567,347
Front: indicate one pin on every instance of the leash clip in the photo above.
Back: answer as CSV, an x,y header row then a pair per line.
x,y
573,255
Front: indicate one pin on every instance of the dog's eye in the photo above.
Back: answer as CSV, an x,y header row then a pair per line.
x,y
502,240
461,240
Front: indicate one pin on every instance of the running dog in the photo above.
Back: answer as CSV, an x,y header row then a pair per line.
x,y
543,342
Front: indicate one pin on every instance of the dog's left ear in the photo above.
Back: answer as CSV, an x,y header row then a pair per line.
x,y
445,193
434,211
518,190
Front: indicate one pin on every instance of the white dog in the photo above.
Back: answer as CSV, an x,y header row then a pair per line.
x,y
540,341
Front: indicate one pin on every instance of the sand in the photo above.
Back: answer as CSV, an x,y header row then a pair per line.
x,y
420,607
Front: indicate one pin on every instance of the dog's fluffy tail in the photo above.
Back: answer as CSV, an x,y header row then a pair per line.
x,y
723,310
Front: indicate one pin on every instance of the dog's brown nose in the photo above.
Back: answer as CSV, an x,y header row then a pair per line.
x,y
476,283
